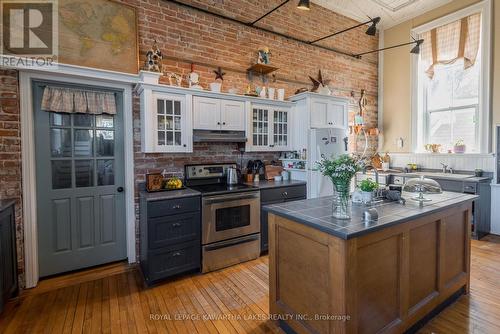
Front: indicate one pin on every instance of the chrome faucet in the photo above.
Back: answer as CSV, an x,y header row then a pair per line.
x,y
445,167
375,171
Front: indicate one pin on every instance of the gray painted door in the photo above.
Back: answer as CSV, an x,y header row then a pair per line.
x,y
80,202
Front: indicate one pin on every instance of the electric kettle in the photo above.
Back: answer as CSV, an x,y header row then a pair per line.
x,y
232,175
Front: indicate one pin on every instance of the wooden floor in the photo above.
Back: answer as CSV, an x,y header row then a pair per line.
x,y
233,300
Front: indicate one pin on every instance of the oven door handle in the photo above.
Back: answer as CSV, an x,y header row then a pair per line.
x,y
232,197
230,243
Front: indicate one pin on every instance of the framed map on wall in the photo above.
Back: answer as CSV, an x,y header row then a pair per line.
x,y
98,33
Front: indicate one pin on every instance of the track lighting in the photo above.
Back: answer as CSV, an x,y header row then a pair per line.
x,y
416,48
372,29
304,5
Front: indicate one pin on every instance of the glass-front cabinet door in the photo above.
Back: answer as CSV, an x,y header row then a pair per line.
x,y
260,126
171,128
270,129
281,136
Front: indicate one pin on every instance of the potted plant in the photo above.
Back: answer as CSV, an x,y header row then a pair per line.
x,y
459,146
340,170
367,187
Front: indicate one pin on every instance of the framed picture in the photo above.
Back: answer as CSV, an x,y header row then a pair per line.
x,y
154,182
89,29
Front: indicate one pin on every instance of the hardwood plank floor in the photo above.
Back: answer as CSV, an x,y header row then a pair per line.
x,y
233,300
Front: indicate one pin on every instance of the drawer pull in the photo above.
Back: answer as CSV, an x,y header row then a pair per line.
x,y
285,194
176,254
177,206
176,225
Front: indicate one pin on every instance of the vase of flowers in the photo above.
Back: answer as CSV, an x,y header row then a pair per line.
x,y
340,170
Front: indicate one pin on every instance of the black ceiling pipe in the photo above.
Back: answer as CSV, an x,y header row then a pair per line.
x,y
249,24
373,21
415,49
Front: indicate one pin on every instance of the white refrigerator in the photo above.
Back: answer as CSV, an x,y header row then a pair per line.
x,y
323,143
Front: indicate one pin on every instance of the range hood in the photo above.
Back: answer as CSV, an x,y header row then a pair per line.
x,y
200,136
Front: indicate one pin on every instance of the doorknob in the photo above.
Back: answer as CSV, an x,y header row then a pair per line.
x,y
119,189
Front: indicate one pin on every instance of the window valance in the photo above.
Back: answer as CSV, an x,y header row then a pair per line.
x,y
70,100
451,42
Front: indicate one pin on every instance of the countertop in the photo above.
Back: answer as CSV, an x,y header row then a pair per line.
x,y
170,194
265,184
317,213
435,175
5,203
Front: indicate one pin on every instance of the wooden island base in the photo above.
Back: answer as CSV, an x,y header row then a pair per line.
x,y
382,282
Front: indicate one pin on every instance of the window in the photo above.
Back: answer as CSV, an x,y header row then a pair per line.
x,y
451,91
451,106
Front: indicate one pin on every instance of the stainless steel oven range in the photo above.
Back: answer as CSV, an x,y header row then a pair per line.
x,y
230,227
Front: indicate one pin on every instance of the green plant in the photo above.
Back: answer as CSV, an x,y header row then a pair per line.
x,y
340,169
368,185
460,142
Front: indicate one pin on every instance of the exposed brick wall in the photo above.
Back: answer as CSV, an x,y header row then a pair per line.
x,y
10,152
189,36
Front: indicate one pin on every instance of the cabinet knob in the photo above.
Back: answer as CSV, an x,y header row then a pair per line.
x,y
223,123
285,194
184,145
218,123
176,225
177,206
176,254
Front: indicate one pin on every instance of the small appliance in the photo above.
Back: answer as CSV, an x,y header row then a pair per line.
x,y
232,175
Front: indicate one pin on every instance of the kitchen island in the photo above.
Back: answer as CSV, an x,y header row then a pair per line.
x,y
337,276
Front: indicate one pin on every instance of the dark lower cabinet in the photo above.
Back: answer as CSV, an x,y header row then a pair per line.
x,y
273,196
170,237
8,255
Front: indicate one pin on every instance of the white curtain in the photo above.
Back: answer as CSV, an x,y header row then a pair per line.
x,y
69,100
451,42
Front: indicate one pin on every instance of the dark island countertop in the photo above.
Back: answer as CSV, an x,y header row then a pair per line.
x,y
5,203
317,213
170,194
265,184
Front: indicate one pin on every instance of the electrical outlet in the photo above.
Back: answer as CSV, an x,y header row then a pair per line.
x,y
400,142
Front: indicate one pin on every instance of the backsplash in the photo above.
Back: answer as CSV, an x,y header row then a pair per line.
x,y
458,162
203,153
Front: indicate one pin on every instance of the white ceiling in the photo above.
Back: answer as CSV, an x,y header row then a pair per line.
x,y
391,12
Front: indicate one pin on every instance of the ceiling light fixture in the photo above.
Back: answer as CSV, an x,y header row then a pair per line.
x,y
304,5
372,29
414,50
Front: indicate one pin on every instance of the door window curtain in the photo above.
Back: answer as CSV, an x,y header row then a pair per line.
x,y
71,100
451,42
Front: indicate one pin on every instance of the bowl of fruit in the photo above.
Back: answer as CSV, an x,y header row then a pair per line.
x,y
174,183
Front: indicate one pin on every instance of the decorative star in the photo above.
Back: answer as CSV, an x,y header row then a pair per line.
x,y
318,82
219,74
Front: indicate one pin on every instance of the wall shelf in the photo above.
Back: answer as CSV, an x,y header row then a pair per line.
x,y
262,69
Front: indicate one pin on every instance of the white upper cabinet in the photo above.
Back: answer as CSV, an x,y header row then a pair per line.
x,y
328,114
270,128
166,122
218,114
324,111
206,113
232,115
